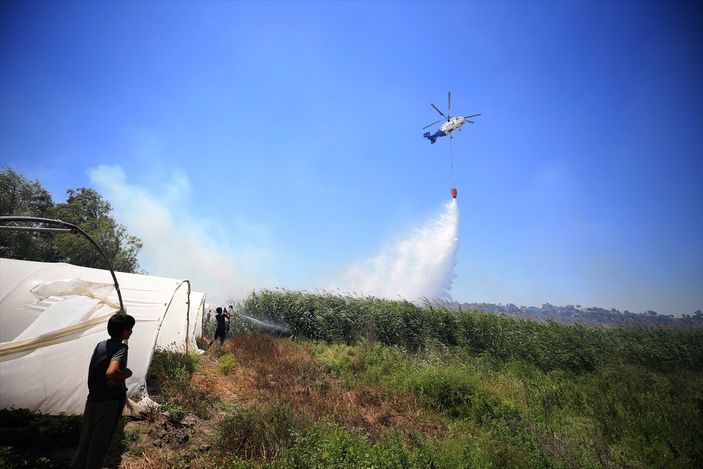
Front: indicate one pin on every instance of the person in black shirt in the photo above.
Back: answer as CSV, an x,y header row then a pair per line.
x,y
107,393
220,331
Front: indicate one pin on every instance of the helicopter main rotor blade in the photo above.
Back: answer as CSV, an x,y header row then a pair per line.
x,y
437,109
449,102
472,115
467,120
430,125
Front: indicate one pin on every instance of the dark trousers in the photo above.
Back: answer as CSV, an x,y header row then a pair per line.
x,y
99,422
219,334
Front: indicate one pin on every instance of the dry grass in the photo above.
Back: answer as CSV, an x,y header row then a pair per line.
x,y
274,370
279,370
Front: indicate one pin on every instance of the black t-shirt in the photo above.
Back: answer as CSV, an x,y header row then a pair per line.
x,y
98,387
220,320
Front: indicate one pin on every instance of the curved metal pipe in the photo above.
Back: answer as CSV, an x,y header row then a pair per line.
x,y
187,314
70,228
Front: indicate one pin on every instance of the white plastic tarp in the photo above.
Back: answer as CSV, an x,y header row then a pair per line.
x,y
53,314
197,308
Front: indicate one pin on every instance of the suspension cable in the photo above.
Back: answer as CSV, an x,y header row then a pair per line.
x,y
451,159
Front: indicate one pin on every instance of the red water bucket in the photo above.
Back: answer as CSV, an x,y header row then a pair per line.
x,y
452,191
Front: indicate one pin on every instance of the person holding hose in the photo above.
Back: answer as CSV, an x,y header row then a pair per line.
x,y
220,331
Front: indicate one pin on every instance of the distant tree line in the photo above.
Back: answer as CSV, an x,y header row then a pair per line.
x,y
84,207
588,316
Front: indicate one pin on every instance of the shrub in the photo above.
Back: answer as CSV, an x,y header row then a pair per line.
x,y
170,375
168,367
225,363
448,390
174,411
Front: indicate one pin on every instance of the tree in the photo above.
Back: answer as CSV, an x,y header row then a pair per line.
x,y
84,208
87,209
21,197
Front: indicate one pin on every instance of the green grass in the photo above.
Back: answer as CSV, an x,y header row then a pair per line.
x,y
620,414
330,446
327,445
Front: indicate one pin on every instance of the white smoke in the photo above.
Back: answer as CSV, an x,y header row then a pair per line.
x,y
178,243
414,267
182,244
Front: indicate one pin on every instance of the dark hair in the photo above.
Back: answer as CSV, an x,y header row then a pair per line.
x,y
219,310
119,323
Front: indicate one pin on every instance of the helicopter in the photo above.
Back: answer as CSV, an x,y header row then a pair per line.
x,y
451,124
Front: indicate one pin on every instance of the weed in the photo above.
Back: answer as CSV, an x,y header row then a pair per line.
x,y
257,433
227,407
170,367
225,363
321,385
136,451
174,412
131,436
130,441
170,377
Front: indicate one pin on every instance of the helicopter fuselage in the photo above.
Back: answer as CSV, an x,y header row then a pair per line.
x,y
451,125
454,123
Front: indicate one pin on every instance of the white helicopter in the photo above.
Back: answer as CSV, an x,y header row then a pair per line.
x,y
451,124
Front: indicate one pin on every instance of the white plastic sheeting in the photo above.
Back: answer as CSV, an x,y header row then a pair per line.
x,y
53,314
197,301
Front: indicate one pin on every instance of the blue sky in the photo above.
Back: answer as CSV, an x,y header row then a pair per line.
x,y
275,144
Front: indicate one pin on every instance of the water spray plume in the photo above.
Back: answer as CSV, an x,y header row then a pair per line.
x,y
418,265
265,326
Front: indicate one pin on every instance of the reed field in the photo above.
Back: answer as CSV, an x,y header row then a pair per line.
x,y
547,345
